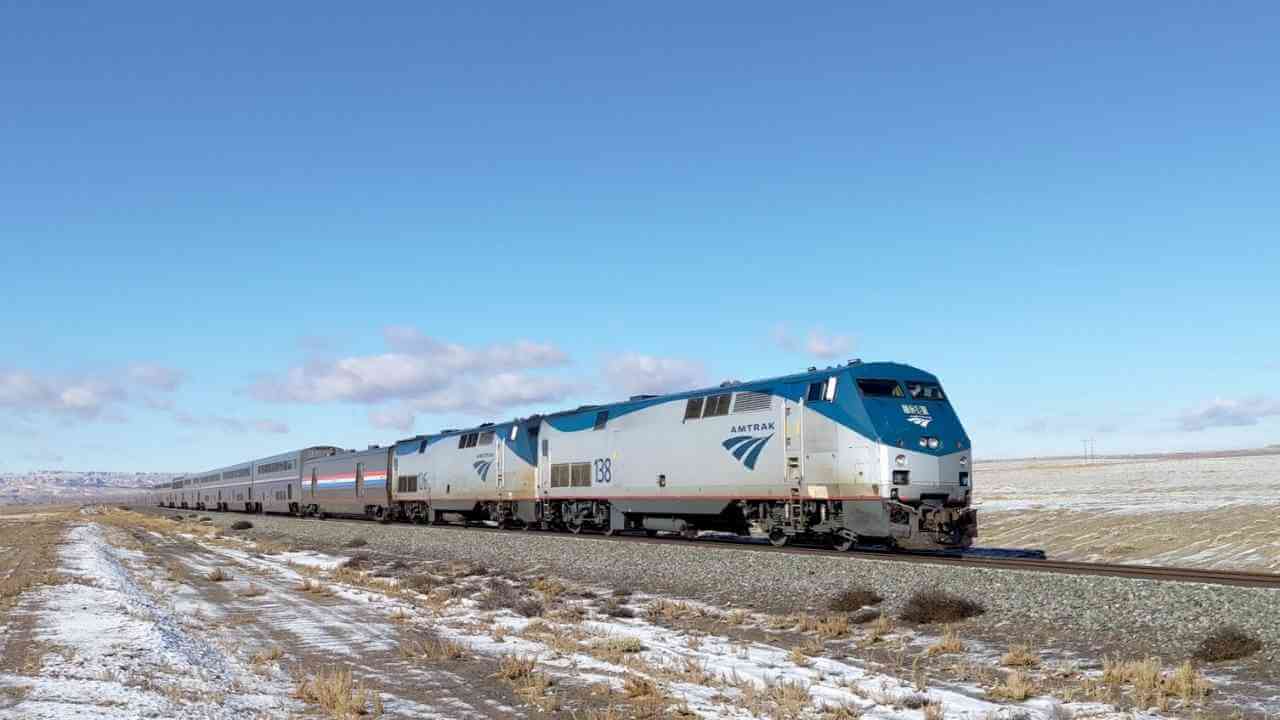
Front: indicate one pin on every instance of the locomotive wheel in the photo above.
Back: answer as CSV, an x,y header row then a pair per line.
x,y
574,526
841,543
777,538
651,533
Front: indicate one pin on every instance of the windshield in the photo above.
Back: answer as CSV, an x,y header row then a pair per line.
x,y
925,391
880,388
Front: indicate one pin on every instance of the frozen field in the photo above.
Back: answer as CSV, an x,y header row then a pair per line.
x,y
160,619
1201,511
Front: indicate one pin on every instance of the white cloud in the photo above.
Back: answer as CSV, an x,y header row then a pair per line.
x,y
229,424
637,374
397,418
1228,413
270,426
157,377
487,396
83,397
422,374
818,342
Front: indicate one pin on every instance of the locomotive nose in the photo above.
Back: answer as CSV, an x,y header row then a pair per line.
x,y
919,477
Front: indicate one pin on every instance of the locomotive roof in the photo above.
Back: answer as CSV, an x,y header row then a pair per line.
x,y
878,370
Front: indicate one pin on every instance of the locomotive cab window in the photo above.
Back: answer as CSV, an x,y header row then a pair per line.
x,y
880,388
925,391
821,391
486,437
602,418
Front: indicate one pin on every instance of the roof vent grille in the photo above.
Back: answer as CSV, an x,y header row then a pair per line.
x,y
745,402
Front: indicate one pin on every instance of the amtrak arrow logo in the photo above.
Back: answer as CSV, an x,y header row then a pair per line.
x,y
746,448
921,421
482,469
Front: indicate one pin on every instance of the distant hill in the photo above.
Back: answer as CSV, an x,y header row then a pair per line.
x,y
56,486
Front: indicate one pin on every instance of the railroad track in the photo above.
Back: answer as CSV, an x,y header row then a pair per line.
x,y
972,558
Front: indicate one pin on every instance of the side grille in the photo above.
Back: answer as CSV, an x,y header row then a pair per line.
x,y
745,402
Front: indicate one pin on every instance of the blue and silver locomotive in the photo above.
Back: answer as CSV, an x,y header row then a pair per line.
x,y
864,452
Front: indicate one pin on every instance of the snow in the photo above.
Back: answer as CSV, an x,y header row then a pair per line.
x,y
118,652
1214,512
311,559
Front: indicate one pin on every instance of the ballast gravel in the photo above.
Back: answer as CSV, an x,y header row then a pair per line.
x,y
1088,616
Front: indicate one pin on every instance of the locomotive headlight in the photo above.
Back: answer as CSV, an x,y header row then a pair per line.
x,y
933,443
924,442
964,460
901,460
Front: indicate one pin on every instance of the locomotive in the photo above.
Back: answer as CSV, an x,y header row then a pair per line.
x,y
858,453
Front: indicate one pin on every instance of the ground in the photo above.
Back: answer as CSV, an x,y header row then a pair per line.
x,y
1198,511
149,616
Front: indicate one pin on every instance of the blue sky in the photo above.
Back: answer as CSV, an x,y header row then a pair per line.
x,y
234,230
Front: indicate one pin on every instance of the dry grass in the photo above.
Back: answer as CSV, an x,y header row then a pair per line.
x,y
695,672
268,656
314,587
948,644
840,712
615,649
638,686
272,547
1016,687
854,599
253,590
670,611
1151,686
218,575
798,658
502,595
420,582
31,554
615,609
549,587
556,639
833,627
569,615
934,710
939,606
432,648
348,575
882,627
789,699
513,668
529,684
339,695
781,622
1227,643
1020,656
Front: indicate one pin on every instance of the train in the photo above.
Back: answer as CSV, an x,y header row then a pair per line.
x,y
860,453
